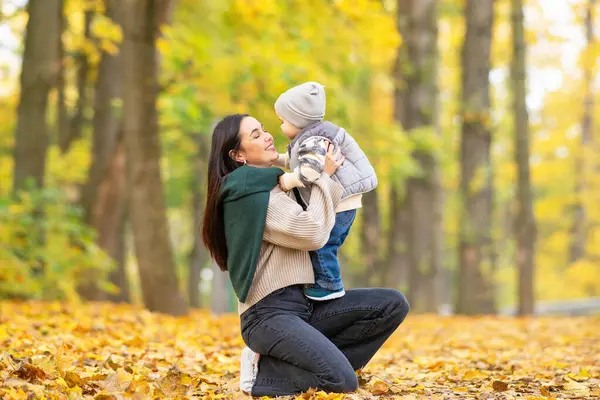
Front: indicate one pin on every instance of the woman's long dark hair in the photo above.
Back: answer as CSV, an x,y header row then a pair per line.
x,y
225,138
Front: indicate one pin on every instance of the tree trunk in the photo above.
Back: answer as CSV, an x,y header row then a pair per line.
x,y
39,74
104,195
476,286
369,236
525,229
417,73
61,107
147,209
199,255
72,130
109,216
118,277
396,274
579,230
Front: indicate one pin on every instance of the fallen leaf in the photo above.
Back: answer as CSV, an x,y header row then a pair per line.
x,y
460,389
30,372
500,386
378,387
582,376
72,379
474,375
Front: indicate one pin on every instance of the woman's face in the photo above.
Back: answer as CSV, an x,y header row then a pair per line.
x,y
256,144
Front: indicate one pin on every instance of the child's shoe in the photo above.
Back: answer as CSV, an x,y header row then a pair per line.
x,y
319,293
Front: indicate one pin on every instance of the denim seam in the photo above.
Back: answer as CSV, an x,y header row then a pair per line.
x,y
367,330
330,284
348,219
320,260
247,331
347,310
267,382
331,280
270,381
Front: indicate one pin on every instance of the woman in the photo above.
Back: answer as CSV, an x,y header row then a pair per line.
x,y
262,236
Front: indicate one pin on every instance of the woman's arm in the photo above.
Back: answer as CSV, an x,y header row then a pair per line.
x,y
288,225
283,161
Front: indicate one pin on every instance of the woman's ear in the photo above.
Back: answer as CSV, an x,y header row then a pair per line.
x,y
237,156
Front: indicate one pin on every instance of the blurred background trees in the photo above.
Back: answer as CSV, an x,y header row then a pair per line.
x,y
479,116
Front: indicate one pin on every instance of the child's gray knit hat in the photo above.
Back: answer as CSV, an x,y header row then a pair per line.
x,y
302,105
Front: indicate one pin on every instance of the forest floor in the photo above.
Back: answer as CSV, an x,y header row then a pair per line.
x,y
103,351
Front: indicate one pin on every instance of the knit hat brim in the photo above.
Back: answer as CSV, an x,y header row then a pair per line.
x,y
302,105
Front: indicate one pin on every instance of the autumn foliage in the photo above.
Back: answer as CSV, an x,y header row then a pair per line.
x,y
102,351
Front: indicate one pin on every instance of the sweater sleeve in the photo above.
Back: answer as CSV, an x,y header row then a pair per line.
x,y
288,225
311,161
283,161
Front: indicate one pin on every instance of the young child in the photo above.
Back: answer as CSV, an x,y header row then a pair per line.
x,y
301,110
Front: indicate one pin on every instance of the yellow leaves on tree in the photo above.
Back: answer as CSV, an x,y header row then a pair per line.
x,y
246,53
108,33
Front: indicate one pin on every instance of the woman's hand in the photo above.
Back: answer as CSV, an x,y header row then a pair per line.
x,y
333,160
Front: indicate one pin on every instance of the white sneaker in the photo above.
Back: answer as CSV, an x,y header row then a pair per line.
x,y
248,369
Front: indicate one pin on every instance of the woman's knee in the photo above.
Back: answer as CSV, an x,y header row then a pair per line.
x,y
398,306
344,381
351,383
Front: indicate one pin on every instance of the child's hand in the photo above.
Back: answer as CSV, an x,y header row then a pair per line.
x,y
281,184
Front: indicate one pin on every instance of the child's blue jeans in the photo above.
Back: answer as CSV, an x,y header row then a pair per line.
x,y
325,260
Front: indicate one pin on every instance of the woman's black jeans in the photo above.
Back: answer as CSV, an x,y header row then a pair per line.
x,y
305,344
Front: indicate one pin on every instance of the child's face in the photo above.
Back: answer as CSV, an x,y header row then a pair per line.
x,y
289,130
